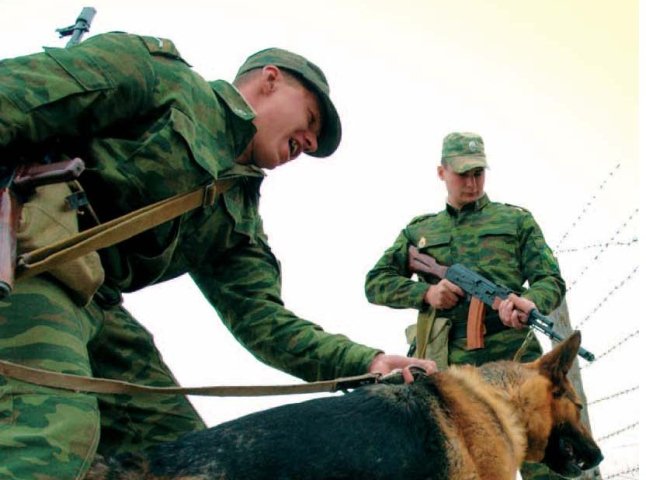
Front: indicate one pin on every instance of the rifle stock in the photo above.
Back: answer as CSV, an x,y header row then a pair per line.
x,y
421,263
9,214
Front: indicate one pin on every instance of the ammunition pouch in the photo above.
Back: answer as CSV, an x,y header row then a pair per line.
x,y
431,334
48,217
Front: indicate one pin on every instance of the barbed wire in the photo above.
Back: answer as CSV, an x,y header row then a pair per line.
x,y
602,250
612,348
587,205
627,243
608,295
627,471
617,432
614,395
598,249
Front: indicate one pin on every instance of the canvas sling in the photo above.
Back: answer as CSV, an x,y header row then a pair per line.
x,y
106,234
80,383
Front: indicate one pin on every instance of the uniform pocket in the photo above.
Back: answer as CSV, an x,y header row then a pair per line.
x,y
437,246
498,242
430,242
44,78
82,67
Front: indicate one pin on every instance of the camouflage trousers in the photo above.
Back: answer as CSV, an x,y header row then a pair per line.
x,y
47,433
503,346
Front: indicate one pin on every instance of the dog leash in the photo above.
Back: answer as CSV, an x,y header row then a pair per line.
x,y
80,383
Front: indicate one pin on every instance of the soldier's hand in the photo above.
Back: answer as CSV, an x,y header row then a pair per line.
x,y
443,295
514,310
384,364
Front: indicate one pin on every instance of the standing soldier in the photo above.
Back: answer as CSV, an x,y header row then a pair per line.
x,y
148,127
501,242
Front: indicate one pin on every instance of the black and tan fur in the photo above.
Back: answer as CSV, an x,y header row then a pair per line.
x,y
466,423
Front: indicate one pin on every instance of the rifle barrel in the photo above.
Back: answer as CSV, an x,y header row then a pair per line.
x,y
537,320
80,27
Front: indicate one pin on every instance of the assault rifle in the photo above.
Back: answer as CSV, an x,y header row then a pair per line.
x,y
18,182
486,291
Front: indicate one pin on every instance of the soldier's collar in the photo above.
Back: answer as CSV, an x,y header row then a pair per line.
x,y
234,99
241,114
479,204
243,170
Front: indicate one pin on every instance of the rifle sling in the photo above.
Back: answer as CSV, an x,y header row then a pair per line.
x,y
117,230
425,321
80,383
111,233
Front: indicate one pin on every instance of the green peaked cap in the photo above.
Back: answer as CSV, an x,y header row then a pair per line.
x,y
314,79
463,151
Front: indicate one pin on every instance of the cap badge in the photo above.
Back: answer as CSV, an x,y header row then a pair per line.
x,y
472,146
421,243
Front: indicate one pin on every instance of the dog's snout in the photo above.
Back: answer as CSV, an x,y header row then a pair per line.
x,y
594,459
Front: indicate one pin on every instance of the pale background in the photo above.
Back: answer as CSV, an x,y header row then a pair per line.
x,y
552,86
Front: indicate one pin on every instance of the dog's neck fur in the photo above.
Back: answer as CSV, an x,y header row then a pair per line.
x,y
502,382
524,384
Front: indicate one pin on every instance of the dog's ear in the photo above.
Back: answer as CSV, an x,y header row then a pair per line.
x,y
556,364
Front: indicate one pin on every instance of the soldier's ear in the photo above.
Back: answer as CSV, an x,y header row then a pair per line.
x,y
440,172
270,75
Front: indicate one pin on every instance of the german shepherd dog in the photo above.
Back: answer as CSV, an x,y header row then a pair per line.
x,y
465,423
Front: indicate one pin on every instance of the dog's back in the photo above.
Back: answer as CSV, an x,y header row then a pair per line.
x,y
376,432
465,423
425,430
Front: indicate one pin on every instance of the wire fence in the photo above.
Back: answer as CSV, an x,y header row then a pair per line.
x,y
615,411
614,395
603,248
587,205
605,299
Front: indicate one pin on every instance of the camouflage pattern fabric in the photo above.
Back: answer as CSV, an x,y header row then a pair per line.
x,y
499,241
44,433
59,431
148,127
463,151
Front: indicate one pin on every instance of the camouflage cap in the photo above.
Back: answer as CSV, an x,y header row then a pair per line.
x,y
314,79
463,151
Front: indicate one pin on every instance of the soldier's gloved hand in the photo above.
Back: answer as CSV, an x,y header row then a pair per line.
x,y
443,295
514,310
384,364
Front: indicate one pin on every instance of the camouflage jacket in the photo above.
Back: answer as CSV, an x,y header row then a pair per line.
x,y
501,242
149,127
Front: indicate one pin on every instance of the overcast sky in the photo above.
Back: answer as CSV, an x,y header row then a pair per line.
x,y
551,85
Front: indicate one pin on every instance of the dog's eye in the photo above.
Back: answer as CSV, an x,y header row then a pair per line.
x,y
559,392
574,400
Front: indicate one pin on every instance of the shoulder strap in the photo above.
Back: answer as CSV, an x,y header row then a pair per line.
x,y
119,229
